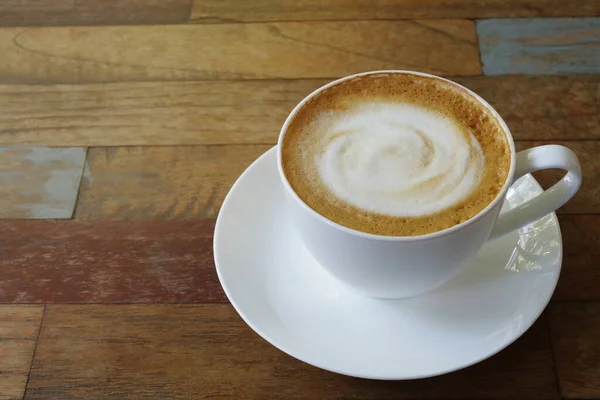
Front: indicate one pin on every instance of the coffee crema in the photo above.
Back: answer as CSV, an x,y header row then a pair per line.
x,y
396,154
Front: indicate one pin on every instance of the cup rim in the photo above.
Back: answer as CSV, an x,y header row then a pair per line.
x,y
433,235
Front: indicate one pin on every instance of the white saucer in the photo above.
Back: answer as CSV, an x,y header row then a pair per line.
x,y
289,300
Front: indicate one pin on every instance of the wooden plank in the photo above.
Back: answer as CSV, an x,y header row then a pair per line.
x,y
580,276
93,12
587,200
543,107
205,351
149,113
19,326
575,332
95,262
137,183
210,11
172,261
235,51
540,46
141,183
236,112
39,182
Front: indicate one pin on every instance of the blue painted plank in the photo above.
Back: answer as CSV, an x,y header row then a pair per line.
x,y
540,46
39,182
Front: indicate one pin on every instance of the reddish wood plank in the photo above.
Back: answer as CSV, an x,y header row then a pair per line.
x,y
171,261
19,327
93,12
580,276
70,261
575,332
206,351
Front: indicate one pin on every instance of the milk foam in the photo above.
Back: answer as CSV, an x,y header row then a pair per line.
x,y
397,159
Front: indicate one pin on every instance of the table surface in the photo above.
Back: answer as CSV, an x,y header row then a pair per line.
x,y
123,124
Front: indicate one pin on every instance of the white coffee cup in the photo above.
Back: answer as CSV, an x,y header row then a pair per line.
x,y
397,267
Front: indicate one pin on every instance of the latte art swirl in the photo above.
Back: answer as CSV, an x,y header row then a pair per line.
x,y
395,154
397,159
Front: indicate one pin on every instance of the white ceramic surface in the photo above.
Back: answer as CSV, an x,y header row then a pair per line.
x,y
400,267
286,296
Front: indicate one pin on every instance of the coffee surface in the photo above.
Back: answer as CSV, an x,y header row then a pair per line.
x,y
396,154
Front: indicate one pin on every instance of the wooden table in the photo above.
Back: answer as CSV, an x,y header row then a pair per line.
x,y
123,124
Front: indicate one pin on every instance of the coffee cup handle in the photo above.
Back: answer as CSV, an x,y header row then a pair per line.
x,y
535,159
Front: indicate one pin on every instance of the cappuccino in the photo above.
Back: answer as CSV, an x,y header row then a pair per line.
x,y
396,154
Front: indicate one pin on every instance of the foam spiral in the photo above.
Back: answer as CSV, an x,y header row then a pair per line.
x,y
397,159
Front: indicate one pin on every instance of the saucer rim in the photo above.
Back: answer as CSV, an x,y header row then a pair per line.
x,y
383,377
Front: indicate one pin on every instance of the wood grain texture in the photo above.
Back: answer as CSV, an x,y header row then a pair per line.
x,y
575,332
141,183
172,261
235,51
149,113
210,11
206,351
580,274
39,182
82,262
237,112
93,12
138,183
587,199
540,46
543,107
19,326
